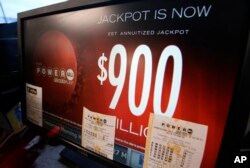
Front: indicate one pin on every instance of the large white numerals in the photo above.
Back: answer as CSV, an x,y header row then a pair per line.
x,y
175,52
143,51
117,81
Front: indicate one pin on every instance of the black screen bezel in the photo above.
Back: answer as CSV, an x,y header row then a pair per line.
x,y
238,115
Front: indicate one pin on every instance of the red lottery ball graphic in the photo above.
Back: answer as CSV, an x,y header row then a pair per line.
x,y
55,68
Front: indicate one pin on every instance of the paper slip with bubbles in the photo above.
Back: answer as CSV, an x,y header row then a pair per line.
x,y
174,143
98,133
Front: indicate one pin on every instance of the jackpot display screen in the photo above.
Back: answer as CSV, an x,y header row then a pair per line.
x,y
99,72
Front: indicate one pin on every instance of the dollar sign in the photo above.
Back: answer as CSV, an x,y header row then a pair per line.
x,y
103,76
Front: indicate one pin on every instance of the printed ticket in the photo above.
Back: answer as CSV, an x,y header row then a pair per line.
x,y
98,133
174,143
34,104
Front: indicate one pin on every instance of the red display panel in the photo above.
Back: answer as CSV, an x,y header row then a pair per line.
x,y
130,60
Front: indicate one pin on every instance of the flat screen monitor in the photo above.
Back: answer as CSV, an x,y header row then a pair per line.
x,y
108,72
